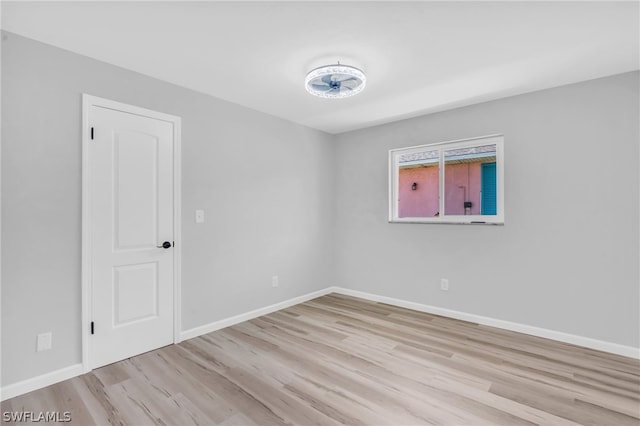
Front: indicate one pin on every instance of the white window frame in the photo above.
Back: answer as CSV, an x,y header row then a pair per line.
x,y
394,174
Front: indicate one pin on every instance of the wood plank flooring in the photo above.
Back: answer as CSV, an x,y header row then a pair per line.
x,y
342,360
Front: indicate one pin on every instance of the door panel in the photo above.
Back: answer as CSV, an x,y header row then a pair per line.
x,y
131,175
136,190
135,293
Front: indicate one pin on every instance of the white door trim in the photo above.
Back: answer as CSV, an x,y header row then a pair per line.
x,y
87,102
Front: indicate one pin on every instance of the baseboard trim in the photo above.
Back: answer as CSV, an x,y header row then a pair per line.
x,y
227,322
40,382
72,371
587,342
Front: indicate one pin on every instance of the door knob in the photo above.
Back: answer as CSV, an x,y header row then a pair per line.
x,y
165,245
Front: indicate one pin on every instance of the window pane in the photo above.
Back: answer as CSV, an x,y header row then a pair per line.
x,y
418,181
470,181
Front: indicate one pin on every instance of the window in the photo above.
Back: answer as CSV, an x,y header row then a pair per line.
x,y
449,182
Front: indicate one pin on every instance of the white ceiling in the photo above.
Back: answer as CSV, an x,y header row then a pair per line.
x,y
419,57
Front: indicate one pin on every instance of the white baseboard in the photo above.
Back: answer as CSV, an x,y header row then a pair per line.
x,y
40,382
587,342
47,379
227,322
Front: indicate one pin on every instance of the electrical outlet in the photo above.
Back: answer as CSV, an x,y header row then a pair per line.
x,y
43,342
444,284
199,216
274,281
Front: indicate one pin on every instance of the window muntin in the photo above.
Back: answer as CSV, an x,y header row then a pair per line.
x,y
448,182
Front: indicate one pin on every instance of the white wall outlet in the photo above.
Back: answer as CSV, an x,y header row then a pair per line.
x,y
274,281
43,342
444,284
199,216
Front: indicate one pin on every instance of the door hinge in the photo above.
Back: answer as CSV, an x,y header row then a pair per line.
x,y
92,133
91,327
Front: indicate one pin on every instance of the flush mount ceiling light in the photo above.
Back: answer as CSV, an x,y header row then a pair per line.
x,y
335,81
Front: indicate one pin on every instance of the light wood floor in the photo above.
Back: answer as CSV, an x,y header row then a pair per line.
x,y
341,360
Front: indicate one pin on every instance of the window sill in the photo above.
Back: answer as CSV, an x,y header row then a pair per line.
x,y
448,221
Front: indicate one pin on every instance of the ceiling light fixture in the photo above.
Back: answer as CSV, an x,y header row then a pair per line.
x,y
335,81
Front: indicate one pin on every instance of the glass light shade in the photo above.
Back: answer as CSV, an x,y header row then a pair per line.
x,y
335,81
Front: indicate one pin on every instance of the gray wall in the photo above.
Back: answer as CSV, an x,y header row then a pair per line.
x,y
567,258
287,200
266,185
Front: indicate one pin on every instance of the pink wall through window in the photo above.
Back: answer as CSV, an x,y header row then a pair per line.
x,y
461,180
423,202
462,183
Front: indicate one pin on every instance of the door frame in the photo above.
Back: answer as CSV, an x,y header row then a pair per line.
x,y
89,101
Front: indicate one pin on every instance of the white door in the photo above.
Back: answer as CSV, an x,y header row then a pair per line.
x,y
131,179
